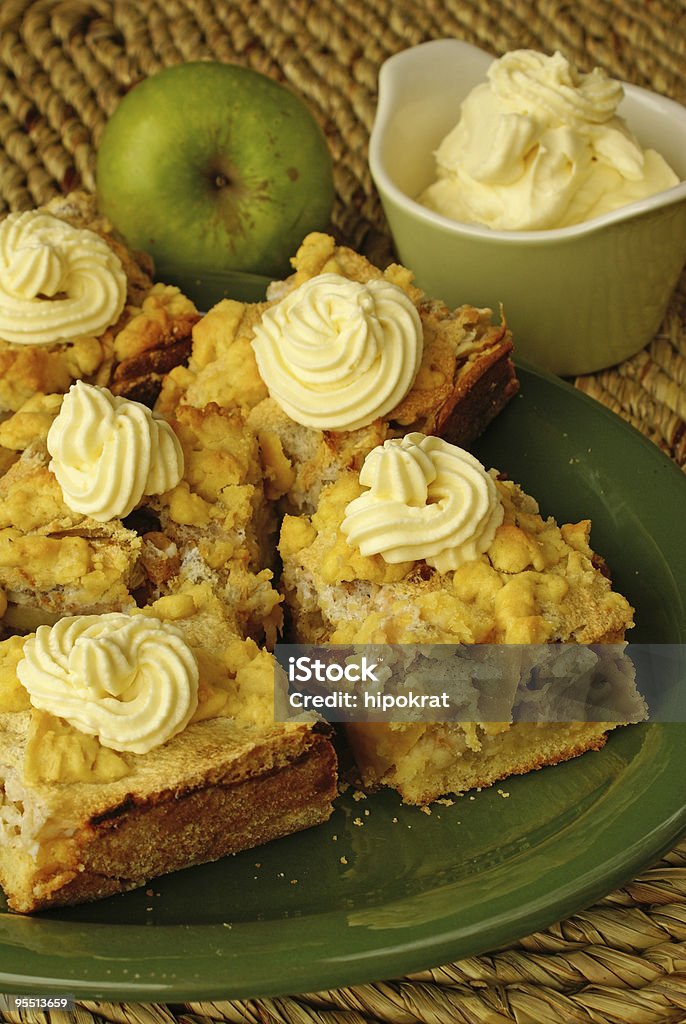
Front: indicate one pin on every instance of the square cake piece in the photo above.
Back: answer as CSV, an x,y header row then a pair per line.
x,y
77,304
453,367
210,523
425,547
83,815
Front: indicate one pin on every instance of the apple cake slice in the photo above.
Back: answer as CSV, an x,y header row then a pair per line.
x,y
425,547
341,357
83,531
135,744
75,304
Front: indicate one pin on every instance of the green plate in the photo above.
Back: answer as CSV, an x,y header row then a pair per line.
x,y
207,287
382,890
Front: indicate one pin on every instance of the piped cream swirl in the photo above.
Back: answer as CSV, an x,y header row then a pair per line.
x,y
428,500
130,680
336,354
108,452
57,282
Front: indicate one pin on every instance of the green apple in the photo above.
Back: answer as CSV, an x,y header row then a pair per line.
x,y
214,168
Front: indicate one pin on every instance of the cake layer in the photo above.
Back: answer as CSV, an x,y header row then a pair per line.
x,y
424,762
216,791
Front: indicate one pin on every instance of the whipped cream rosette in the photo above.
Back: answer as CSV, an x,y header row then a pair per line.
x,y
337,354
130,680
57,282
426,499
108,452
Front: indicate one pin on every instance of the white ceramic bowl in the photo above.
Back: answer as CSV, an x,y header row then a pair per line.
x,y
577,299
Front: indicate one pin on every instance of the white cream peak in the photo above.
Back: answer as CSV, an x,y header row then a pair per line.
x,y
109,452
130,680
336,354
426,500
57,282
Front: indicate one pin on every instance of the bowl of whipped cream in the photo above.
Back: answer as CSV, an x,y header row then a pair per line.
x,y
523,184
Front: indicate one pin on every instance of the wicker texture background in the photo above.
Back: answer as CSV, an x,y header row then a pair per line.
x,y
64,64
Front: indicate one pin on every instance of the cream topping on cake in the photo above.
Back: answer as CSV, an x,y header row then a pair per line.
x,y
426,499
337,354
108,452
130,680
57,282
541,145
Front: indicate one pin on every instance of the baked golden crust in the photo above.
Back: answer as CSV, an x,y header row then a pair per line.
x,y
79,822
155,338
466,377
75,826
151,335
218,791
222,366
177,830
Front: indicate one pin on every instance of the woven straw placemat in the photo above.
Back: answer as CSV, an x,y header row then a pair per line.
x,y
64,65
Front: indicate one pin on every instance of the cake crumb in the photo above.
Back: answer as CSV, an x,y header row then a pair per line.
x,y
334,839
394,820
366,812
359,795
445,801
425,809
358,822
344,860
503,794
294,881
